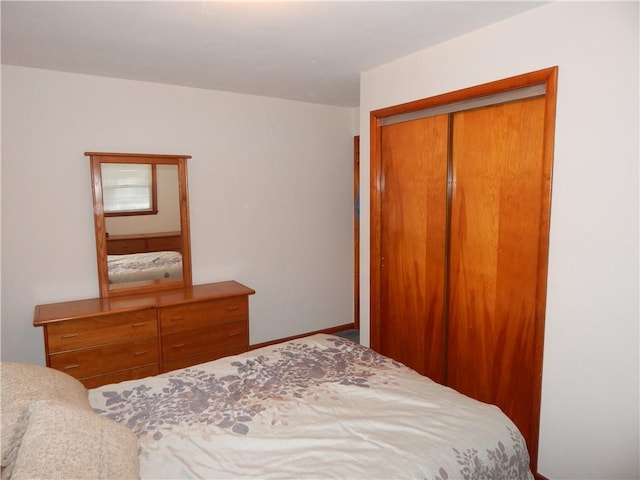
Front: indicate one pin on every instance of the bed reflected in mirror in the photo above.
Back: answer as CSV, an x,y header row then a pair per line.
x,y
141,222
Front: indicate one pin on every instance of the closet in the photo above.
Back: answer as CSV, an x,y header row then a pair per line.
x,y
460,204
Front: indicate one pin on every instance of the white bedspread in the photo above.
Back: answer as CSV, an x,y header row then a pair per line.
x,y
317,407
137,267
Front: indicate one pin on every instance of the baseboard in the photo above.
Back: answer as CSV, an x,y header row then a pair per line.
x,y
330,330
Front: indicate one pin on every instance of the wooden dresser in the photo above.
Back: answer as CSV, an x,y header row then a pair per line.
x,y
144,242
108,340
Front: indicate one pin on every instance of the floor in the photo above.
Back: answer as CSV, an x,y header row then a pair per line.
x,y
353,335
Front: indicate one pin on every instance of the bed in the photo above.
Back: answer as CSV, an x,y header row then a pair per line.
x,y
137,267
316,407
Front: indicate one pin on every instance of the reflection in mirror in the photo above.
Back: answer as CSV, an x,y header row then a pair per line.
x,y
142,246
141,222
129,189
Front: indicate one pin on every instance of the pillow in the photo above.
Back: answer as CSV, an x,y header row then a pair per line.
x,y
23,383
62,441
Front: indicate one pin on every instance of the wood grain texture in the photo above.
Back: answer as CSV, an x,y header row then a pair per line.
x,y
356,231
496,277
203,314
144,242
414,182
88,362
194,342
122,376
90,307
112,290
101,330
106,340
495,241
190,360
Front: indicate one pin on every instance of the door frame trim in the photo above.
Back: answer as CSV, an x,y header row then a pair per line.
x,y
356,231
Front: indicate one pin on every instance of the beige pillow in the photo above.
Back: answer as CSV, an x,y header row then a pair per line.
x,y
62,441
23,383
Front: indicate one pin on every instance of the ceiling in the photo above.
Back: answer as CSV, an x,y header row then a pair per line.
x,y
300,50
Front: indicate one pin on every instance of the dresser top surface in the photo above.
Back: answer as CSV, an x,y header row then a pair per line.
x,y
55,312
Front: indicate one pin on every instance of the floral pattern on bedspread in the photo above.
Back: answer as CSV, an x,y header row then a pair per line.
x,y
196,397
500,464
320,406
144,266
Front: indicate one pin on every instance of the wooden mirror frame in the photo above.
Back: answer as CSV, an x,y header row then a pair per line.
x,y
107,290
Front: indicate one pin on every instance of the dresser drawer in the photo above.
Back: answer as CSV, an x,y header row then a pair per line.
x,y
89,362
203,314
121,247
88,332
159,244
201,358
195,342
109,340
121,376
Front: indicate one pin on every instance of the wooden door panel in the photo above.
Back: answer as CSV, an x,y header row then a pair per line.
x,y
497,198
413,206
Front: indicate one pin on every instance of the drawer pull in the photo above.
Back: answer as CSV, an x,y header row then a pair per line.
x,y
233,334
141,324
138,354
232,308
70,335
179,345
71,367
176,319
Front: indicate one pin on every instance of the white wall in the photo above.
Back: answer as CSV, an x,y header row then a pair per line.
x,y
589,427
270,195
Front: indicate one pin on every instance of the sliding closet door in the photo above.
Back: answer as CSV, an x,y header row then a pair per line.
x,y
412,243
473,255
498,230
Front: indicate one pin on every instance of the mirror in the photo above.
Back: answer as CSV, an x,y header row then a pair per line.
x,y
141,216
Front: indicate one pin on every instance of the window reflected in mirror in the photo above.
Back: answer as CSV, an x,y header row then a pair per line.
x,y
129,189
163,216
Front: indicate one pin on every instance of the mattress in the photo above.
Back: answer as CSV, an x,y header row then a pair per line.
x,y
137,267
315,407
